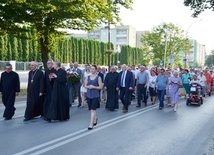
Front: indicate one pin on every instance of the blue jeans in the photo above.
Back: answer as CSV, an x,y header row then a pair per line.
x,y
161,94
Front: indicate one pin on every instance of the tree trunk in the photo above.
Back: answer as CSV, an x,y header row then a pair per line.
x,y
44,52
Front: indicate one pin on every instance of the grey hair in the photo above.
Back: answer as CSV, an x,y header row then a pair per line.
x,y
175,73
57,63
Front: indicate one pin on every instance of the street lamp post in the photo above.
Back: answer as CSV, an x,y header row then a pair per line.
x,y
118,51
109,51
165,49
185,54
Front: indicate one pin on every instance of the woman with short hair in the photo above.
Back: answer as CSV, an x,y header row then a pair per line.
x,y
152,88
175,82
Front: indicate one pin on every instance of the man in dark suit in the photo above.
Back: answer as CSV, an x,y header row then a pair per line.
x,y
125,84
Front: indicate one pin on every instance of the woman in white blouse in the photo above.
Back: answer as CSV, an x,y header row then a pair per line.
x,y
152,88
83,89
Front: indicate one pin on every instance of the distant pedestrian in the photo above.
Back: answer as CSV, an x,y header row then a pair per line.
x,y
35,91
110,85
59,107
93,84
75,87
161,84
125,84
83,90
175,82
48,87
202,81
141,84
186,78
69,85
9,88
152,88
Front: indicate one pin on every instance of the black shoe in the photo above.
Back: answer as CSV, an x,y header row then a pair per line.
x,y
90,128
79,105
96,122
111,109
6,119
138,106
26,119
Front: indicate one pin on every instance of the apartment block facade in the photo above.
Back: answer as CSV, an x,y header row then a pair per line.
x,y
119,35
196,55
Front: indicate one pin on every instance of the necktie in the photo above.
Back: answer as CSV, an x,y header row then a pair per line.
x,y
122,79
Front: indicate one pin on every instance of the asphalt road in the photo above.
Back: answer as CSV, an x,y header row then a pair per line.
x,y
143,131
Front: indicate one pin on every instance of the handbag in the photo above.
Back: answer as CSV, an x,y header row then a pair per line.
x,y
181,91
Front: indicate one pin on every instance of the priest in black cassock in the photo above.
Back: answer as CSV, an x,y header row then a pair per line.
x,y
59,107
35,91
110,85
48,87
9,87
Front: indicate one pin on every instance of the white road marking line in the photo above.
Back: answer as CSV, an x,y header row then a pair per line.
x,y
110,123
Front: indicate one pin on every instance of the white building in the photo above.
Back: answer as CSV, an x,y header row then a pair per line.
x,y
196,55
119,35
138,38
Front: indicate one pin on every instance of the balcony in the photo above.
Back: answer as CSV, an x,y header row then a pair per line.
x,y
121,43
121,35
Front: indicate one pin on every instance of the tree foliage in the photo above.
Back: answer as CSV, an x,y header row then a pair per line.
x,y
48,16
164,36
210,59
199,6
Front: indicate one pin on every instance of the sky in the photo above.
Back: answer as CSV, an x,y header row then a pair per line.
x,y
147,14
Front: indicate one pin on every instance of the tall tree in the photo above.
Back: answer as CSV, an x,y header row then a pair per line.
x,y
210,59
199,6
3,47
48,16
14,46
163,37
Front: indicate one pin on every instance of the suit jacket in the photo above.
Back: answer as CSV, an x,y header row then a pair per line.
x,y
129,80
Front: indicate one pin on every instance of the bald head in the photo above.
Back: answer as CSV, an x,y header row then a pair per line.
x,y
33,65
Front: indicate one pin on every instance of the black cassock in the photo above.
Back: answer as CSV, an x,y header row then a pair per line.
x,y
48,91
112,94
9,85
59,107
35,87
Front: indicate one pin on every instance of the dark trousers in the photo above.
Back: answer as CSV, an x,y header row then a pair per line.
x,y
141,90
75,89
125,97
161,94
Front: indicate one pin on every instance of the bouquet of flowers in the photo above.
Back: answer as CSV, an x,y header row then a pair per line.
x,y
73,77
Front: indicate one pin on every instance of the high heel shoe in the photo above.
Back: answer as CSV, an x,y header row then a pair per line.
x,y
96,122
90,128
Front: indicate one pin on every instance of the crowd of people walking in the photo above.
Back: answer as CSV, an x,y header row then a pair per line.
x,y
50,94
